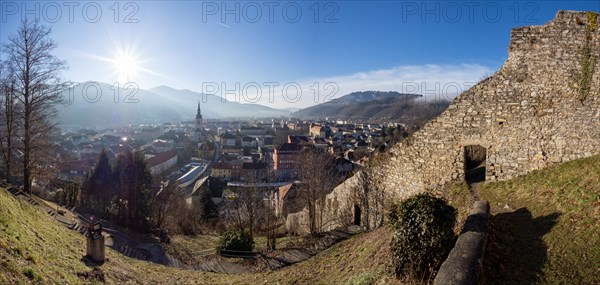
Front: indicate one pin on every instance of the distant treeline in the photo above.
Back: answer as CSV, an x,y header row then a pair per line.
x,y
404,108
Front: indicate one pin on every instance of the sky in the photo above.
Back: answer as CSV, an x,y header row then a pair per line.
x,y
285,54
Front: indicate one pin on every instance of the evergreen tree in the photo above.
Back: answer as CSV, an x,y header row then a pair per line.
x,y
133,183
143,197
209,209
98,189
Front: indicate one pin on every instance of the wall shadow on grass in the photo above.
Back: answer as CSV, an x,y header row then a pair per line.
x,y
515,252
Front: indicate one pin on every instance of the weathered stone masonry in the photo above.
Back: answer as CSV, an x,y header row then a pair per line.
x,y
528,116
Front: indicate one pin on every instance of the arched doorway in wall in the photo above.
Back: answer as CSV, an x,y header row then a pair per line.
x,y
475,156
357,215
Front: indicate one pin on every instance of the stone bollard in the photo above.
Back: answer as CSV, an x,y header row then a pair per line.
x,y
95,243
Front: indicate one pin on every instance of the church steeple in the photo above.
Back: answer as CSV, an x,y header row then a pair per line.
x,y
197,133
198,113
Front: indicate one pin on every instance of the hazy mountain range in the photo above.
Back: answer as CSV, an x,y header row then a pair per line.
x,y
157,105
94,105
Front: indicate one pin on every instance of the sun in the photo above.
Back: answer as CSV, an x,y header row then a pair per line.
x,y
125,63
126,66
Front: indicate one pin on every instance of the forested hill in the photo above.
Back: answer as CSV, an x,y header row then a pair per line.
x,y
377,105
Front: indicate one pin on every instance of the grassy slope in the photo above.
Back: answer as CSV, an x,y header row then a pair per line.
x,y
34,247
545,226
545,229
459,197
32,244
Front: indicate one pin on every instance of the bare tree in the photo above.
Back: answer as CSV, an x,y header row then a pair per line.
x,y
7,120
318,177
250,211
164,201
38,87
371,197
248,207
271,222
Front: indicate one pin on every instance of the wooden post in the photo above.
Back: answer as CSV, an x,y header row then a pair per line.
x,y
95,243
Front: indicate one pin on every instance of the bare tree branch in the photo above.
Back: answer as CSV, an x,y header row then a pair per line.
x,y
38,88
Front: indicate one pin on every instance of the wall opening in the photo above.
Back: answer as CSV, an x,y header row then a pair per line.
x,y
357,215
475,156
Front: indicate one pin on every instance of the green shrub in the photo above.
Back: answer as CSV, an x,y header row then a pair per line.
x,y
29,273
231,241
423,236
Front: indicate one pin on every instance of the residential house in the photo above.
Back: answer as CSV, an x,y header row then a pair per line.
x,y
317,130
232,152
251,131
320,143
248,141
254,171
227,140
162,145
162,162
148,133
221,170
285,157
227,169
76,170
285,200
322,131
298,126
79,139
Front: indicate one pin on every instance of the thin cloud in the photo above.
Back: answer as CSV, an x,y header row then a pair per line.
x,y
223,24
435,82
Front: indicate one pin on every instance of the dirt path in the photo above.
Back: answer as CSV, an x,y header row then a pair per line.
x,y
474,189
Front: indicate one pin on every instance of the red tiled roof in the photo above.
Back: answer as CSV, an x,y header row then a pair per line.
x,y
160,158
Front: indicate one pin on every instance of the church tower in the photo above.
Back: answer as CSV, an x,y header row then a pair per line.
x,y
198,128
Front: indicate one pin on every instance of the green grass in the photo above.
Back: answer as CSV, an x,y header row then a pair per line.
x,y
361,279
547,234
458,196
545,226
34,248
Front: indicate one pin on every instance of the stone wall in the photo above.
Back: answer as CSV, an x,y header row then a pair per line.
x,y
528,115
465,262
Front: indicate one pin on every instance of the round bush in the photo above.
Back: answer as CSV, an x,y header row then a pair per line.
x,y
233,242
423,235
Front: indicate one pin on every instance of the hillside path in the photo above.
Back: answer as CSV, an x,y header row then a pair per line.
x,y
144,248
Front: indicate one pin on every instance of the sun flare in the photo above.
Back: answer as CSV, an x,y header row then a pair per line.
x,y
126,66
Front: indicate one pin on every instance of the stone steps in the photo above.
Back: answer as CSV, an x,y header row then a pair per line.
x,y
81,229
129,251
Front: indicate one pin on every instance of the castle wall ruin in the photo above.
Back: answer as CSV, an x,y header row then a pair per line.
x,y
531,114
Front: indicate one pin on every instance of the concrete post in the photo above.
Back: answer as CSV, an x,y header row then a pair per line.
x,y
95,243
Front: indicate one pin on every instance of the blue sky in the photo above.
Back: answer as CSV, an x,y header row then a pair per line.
x,y
342,46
